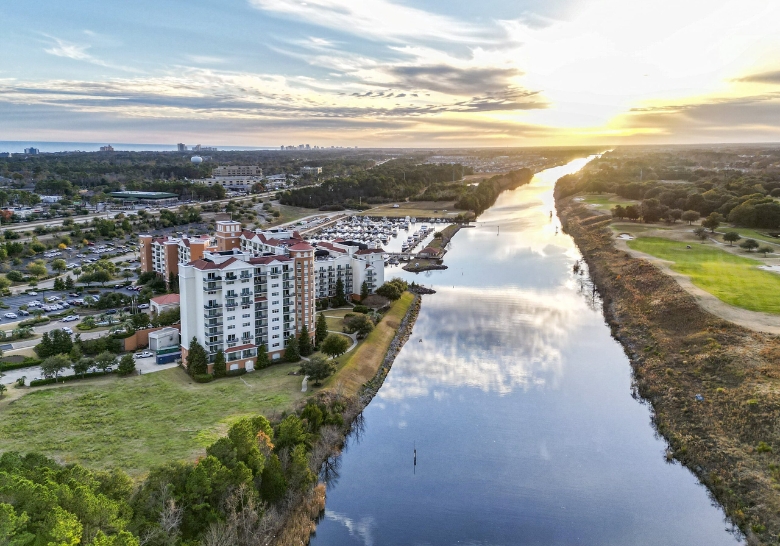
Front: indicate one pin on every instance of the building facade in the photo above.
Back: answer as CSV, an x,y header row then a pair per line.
x,y
258,288
233,177
164,254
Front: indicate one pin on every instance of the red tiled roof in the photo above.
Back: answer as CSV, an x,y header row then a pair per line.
x,y
301,246
205,265
167,299
330,246
268,259
370,251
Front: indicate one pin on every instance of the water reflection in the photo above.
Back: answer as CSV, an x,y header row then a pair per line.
x,y
493,339
519,404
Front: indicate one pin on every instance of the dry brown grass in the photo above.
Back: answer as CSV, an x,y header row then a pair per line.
x,y
678,350
302,521
362,364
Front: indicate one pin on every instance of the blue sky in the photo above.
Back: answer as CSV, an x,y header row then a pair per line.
x,y
391,73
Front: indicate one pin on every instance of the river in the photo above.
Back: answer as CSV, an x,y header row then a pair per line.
x,y
519,404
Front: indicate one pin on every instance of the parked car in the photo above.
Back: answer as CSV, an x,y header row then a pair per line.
x,y
73,295
23,312
51,299
144,354
32,293
144,306
66,330
70,318
10,315
110,312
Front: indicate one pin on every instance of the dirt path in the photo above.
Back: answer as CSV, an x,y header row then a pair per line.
x,y
759,322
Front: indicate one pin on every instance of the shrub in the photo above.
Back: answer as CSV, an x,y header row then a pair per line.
x,y
63,379
362,309
28,362
236,373
763,447
203,378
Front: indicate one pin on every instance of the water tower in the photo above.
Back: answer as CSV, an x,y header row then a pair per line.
x,y
196,159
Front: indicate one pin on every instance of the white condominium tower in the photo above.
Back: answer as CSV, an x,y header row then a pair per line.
x,y
259,287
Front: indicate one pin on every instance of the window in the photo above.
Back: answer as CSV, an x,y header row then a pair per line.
x,y
246,315
275,320
275,311
275,336
246,324
232,327
275,344
231,318
275,327
275,285
275,294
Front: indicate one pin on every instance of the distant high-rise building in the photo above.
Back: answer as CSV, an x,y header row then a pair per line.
x,y
107,148
308,147
181,147
32,151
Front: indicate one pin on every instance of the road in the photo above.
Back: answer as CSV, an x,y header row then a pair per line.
x,y
144,365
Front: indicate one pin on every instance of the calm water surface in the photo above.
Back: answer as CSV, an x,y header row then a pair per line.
x,y
519,404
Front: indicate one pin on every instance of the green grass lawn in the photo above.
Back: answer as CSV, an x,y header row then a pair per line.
x,y
733,279
629,227
606,201
142,421
748,233
290,214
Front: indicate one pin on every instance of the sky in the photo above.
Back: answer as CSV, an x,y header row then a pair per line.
x,y
391,73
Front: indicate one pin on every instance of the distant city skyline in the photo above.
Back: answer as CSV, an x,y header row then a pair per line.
x,y
382,73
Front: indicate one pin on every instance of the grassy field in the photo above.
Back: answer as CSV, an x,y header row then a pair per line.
x,y
290,214
423,209
630,227
138,422
606,201
748,233
733,279
335,318
360,365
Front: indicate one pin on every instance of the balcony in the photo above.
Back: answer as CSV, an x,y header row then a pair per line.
x,y
218,342
212,305
207,287
214,323
212,313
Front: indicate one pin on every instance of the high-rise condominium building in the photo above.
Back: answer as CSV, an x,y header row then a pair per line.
x,y
257,288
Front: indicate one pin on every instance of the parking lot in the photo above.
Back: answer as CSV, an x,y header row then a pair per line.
x,y
143,365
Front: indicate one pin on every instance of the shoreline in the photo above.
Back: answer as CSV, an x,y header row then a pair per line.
x,y
302,518
710,383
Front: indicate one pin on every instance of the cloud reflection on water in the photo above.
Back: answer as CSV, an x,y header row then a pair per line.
x,y
491,339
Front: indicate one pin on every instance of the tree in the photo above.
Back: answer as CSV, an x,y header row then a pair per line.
x,y
2,390
291,351
712,221
749,244
304,342
335,345
321,329
675,214
766,250
126,365
37,268
262,358
690,216
82,365
59,265
364,291
139,321
317,368
632,212
104,360
701,233
618,212
359,324
54,343
5,284
59,284
340,297
102,276
220,367
69,284
53,365
197,359
731,237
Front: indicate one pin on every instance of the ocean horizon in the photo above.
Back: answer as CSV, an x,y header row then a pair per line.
x,y
18,146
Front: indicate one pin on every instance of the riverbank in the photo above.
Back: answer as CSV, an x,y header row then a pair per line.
x,y
358,381
713,385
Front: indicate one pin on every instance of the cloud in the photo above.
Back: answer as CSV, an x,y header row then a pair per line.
x,y
452,79
762,77
377,20
78,52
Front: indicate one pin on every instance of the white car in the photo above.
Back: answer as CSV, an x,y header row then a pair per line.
x,y
33,303
145,354
66,330
10,315
70,318
32,293
144,306
51,299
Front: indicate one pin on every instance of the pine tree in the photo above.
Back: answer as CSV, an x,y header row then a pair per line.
x,y
340,298
363,290
321,330
220,368
173,283
69,284
304,342
291,353
59,284
262,358
197,359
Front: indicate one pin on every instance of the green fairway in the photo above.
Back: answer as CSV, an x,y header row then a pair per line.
x,y
137,422
733,279
747,233
606,201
